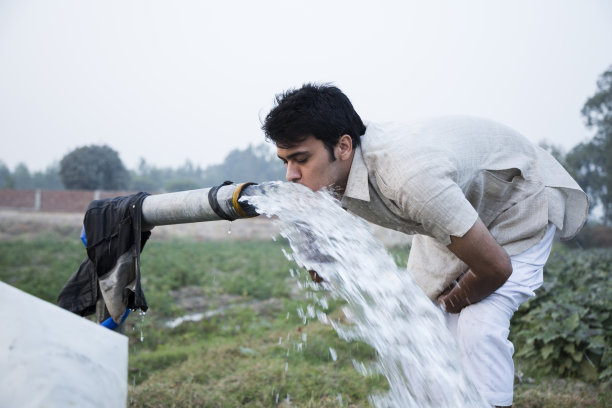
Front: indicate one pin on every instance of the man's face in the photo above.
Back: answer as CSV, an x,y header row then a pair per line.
x,y
309,163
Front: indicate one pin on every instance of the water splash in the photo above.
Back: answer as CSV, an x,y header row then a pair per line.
x,y
415,351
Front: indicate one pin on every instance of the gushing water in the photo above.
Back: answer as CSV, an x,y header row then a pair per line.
x,y
415,351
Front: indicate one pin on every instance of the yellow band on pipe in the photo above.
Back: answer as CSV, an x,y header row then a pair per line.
x,y
235,198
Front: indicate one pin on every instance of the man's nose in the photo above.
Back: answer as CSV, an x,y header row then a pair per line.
x,y
293,173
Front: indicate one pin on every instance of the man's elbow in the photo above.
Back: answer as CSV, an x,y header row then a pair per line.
x,y
504,269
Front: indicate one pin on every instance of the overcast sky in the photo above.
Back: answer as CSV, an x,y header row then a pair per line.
x,y
176,80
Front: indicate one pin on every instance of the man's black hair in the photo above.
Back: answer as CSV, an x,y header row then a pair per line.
x,y
320,110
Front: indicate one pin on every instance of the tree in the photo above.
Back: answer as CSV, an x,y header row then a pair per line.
x,y
22,178
182,184
591,162
48,179
93,167
6,180
254,164
555,151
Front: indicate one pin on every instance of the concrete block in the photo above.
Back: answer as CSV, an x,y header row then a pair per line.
x,y
51,358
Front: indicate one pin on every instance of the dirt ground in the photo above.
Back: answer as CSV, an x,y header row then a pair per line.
x,y
26,224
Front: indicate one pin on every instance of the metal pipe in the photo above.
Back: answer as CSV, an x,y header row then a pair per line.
x,y
206,204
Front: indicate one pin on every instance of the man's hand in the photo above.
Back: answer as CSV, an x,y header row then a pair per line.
x,y
315,276
489,267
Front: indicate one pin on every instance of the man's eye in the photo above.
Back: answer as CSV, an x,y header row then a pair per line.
x,y
302,160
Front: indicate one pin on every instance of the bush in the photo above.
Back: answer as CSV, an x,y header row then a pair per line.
x,y
567,328
593,236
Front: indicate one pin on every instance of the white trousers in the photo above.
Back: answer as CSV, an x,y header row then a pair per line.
x,y
481,329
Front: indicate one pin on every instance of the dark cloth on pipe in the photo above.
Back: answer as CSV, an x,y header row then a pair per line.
x,y
113,228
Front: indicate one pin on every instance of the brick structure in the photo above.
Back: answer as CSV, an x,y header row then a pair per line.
x,y
75,201
25,199
65,201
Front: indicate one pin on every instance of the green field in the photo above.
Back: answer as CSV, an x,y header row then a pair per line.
x,y
253,348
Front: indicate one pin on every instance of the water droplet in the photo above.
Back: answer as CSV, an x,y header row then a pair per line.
x,y
323,303
333,354
142,318
322,317
310,310
229,228
361,367
287,255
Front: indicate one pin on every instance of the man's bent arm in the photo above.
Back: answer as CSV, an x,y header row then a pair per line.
x,y
489,267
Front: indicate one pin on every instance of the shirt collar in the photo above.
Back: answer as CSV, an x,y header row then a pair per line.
x,y
357,183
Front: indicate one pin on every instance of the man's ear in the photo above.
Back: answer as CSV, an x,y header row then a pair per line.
x,y
344,147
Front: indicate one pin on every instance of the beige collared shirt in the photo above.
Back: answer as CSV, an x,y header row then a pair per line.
x,y
435,177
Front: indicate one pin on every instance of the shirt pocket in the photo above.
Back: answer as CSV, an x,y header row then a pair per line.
x,y
501,189
500,183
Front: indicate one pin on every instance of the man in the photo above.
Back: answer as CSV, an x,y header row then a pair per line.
x,y
483,202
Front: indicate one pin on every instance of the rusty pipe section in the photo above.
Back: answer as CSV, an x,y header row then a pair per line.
x,y
206,204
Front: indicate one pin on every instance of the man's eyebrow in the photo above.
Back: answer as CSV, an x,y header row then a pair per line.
x,y
292,155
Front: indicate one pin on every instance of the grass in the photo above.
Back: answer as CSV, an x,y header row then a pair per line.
x,y
548,392
257,351
40,266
